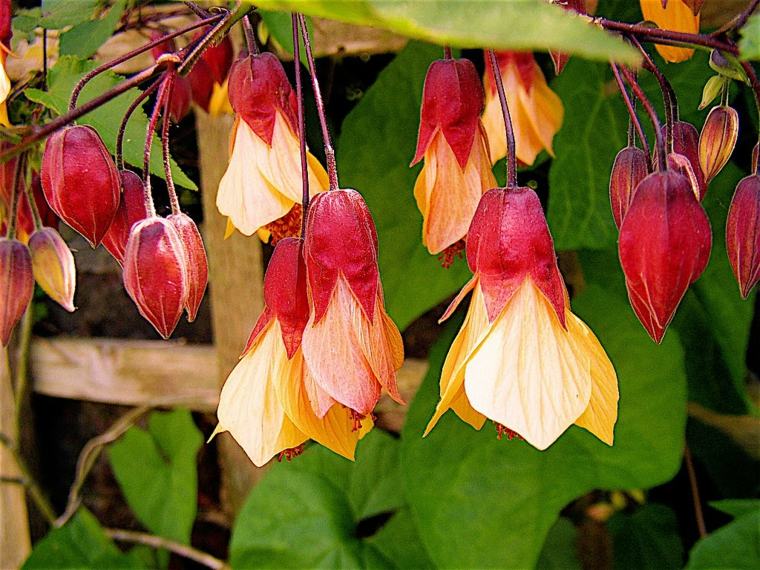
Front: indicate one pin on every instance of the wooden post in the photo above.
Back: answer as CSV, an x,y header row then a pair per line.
x,y
236,288
14,521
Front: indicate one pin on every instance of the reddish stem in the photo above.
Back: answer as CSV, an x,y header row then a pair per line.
x,y
165,122
510,133
661,157
125,120
150,131
632,112
301,126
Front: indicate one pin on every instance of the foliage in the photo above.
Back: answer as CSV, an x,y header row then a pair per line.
x,y
749,45
84,39
733,546
647,538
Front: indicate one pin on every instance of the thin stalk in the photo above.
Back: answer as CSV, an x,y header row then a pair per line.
x,y
250,36
125,120
73,115
332,169
661,157
149,132
510,133
755,83
11,230
632,116
700,518
197,10
32,487
21,384
189,552
33,207
166,120
301,126
738,21
446,52
220,29
44,59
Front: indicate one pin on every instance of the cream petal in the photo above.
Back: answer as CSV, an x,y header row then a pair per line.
x,y
5,82
493,121
528,374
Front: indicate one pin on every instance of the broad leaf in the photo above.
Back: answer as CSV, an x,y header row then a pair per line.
x,y
386,118
560,551
749,44
457,476
735,546
106,119
648,538
737,507
280,27
80,543
502,24
84,39
57,14
156,470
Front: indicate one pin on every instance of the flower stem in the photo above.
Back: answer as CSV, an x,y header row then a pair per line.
x,y
149,132
634,118
301,126
220,29
695,492
660,143
510,133
125,120
446,52
203,558
332,170
250,36
165,122
15,196
33,207
755,83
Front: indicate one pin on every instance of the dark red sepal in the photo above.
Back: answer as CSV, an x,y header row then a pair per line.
x,y
743,233
686,142
341,240
664,246
452,101
630,168
16,285
508,241
131,210
195,261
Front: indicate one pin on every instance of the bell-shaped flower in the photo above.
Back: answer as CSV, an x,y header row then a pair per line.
x,y
263,179
270,402
630,168
686,143
453,143
536,111
195,261
674,15
131,210
743,233
210,71
16,285
717,140
182,92
522,359
664,247
351,346
53,266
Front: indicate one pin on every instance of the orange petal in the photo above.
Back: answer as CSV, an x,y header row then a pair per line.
x,y
676,16
544,113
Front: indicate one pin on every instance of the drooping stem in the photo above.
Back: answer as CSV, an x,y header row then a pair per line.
x,y
165,121
755,83
660,143
129,55
189,552
301,126
695,492
36,218
446,52
21,384
125,120
332,170
634,118
250,36
15,195
510,133
149,132
220,29
665,37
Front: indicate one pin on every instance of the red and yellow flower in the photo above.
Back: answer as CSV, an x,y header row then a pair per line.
x,y
536,111
522,358
5,46
677,16
453,143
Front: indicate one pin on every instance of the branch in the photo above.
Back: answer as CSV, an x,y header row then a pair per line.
x,y
123,535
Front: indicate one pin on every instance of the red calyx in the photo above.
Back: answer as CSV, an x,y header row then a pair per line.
x,y
195,261
24,217
452,101
16,285
201,84
560,58
664,247
181,98
508,241
155,273
131,210
258,88
218,58
341,239
80,181
743,233
285,296
6,31
522,60
630,168
686,142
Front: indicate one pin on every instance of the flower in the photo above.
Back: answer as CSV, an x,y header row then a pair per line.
x,y
53,266
743,233
270,402
453,143
522,358
352,348
674,15
263,179
16,285
536,111
717,140
5,46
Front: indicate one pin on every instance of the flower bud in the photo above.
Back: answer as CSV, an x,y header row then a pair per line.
x,y
630,168
181,95
680,164
131,210
210,69
196,263
664,247
201,84
80,181
16,285
717,140
743,233
53,266
686,143
155,273
25,220
755,153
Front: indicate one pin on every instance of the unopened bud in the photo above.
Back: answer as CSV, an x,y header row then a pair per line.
x,y
53,266
16,285
755,153
630,168
196,263
714,87
686,143
717,140
155,274
743,233
130,211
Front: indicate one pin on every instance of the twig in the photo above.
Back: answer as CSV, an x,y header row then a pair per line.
x,y
165,122
204,558
695,492
32,488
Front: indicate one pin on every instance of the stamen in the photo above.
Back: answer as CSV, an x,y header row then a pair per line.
x,y
451,253
290,453
357,418
504,431
287,226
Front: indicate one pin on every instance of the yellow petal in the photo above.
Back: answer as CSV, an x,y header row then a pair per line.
x,y
601,414
545,113
248,405
676,16
5,82
229,229
528,374
219,103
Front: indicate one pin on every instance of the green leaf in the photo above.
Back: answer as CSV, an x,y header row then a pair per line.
x,y
560,551
305,513
84,39
648,538
106,119
735,546
156,470
80,543
400,542
749,44
25,20
504,496
57,14
386,118
737,507
501,24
